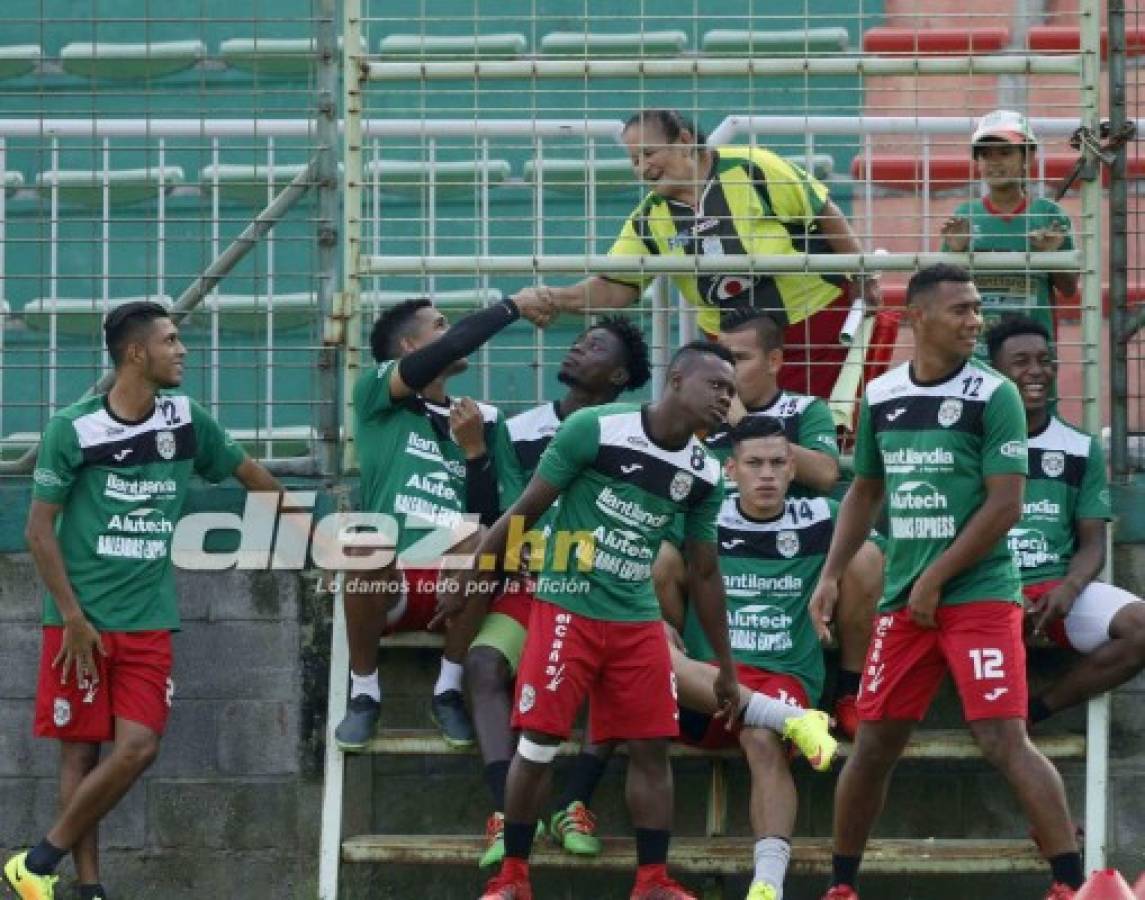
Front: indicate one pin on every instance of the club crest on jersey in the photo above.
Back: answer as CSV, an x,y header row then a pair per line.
x,y
681,485
165,444
949,412
61,712
1053,463
528,698
787,543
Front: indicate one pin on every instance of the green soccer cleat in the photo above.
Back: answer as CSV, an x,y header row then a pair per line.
x,y
495,840
811,733
574,829
762,891
28,885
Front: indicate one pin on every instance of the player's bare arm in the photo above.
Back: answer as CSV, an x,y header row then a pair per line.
x,y
1085,565
837,230
856,516
591,293
1000,511
814,469
537,497
81,640
706,593
255,477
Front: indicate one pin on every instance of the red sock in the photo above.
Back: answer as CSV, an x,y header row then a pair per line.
x,y
653,872
517,869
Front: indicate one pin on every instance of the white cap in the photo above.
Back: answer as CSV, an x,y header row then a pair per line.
x,y
1004,125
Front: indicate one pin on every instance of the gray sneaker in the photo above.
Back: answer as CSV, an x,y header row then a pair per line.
x,y
359,723
449,714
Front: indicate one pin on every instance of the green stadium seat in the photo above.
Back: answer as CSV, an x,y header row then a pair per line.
x,y
798,41
73,316
284,440
481,46
373,302
570,176
85,186
409,177
264,56
131,61
245,184
19,59
596,44
247,313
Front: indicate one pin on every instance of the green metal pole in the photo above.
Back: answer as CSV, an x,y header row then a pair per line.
x,y
1120,328
326,155
1098,708
1091,200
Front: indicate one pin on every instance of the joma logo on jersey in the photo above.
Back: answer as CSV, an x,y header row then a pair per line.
x,y
918,495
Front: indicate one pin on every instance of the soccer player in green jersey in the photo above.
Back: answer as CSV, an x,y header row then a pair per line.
x,y
621,472
109,485
756,342
1059,545
706,201
772,547
611,357
413,468
1006,217
941,438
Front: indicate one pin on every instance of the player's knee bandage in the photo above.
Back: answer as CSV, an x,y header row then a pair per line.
x,y
538,753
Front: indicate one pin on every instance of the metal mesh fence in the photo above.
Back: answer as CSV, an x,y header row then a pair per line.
x,y
137,142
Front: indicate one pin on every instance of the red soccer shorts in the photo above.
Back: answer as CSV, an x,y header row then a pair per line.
x,y
624,669
134,683
417,604
980,643
785,688
515,600
812,352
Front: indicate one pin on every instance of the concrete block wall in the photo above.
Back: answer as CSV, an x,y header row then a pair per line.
x,y
234,795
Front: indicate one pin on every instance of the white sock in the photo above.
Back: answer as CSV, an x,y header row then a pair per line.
x,y
771,857
366,684
449,678
767,712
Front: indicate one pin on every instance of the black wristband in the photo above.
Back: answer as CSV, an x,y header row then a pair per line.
x,y
512,308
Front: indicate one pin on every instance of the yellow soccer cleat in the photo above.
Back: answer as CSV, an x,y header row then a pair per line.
x,y
28,885
811,733
761,891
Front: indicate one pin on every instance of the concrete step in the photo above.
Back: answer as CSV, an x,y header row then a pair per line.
x,y
719,855
925,745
